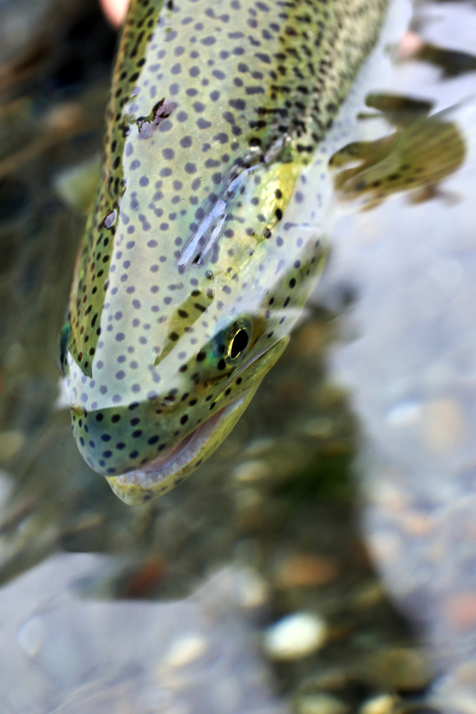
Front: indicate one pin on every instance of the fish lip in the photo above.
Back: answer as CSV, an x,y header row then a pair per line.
x,y
178,457
174,465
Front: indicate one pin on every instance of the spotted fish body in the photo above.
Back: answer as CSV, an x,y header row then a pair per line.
x,y
198,255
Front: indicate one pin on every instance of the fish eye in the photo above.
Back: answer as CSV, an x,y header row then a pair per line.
x,y
229,345
238,341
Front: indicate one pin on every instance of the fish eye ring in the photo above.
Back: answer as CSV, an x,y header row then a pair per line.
x,y
233,342
238,340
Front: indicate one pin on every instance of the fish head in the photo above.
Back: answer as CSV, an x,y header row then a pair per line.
x,y
155,442
182,339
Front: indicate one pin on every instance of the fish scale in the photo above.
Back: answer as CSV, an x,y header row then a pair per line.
x,y
197,243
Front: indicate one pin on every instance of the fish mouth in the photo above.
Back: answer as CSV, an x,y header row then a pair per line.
x,y
175,464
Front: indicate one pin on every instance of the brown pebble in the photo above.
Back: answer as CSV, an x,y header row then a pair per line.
x,y
417,524
143,580
306,570
65,118
310,340
460,610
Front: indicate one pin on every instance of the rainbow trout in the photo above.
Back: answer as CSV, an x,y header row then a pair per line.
x,y
200,253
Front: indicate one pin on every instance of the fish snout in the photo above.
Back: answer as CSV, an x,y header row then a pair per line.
x,y
114,441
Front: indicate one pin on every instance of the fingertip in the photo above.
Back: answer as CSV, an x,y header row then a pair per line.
x,y
115,10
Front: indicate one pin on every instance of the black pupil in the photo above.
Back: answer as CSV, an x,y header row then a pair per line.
x,y
239,343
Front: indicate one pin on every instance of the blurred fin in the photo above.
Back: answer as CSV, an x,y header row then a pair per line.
x,y
417,157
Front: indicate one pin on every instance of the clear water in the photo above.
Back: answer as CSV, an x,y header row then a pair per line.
x,y
346,491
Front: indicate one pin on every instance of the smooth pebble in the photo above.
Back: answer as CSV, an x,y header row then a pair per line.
x,y
295,636
31,636
322,704
185,650
252,471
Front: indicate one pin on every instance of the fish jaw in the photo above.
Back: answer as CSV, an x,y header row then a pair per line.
x,y
171,468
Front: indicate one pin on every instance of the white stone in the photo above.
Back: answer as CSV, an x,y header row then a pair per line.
x,y
185,650
295,636
321,704
404,413
31,636
259,446
252,471
382,704
252,589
